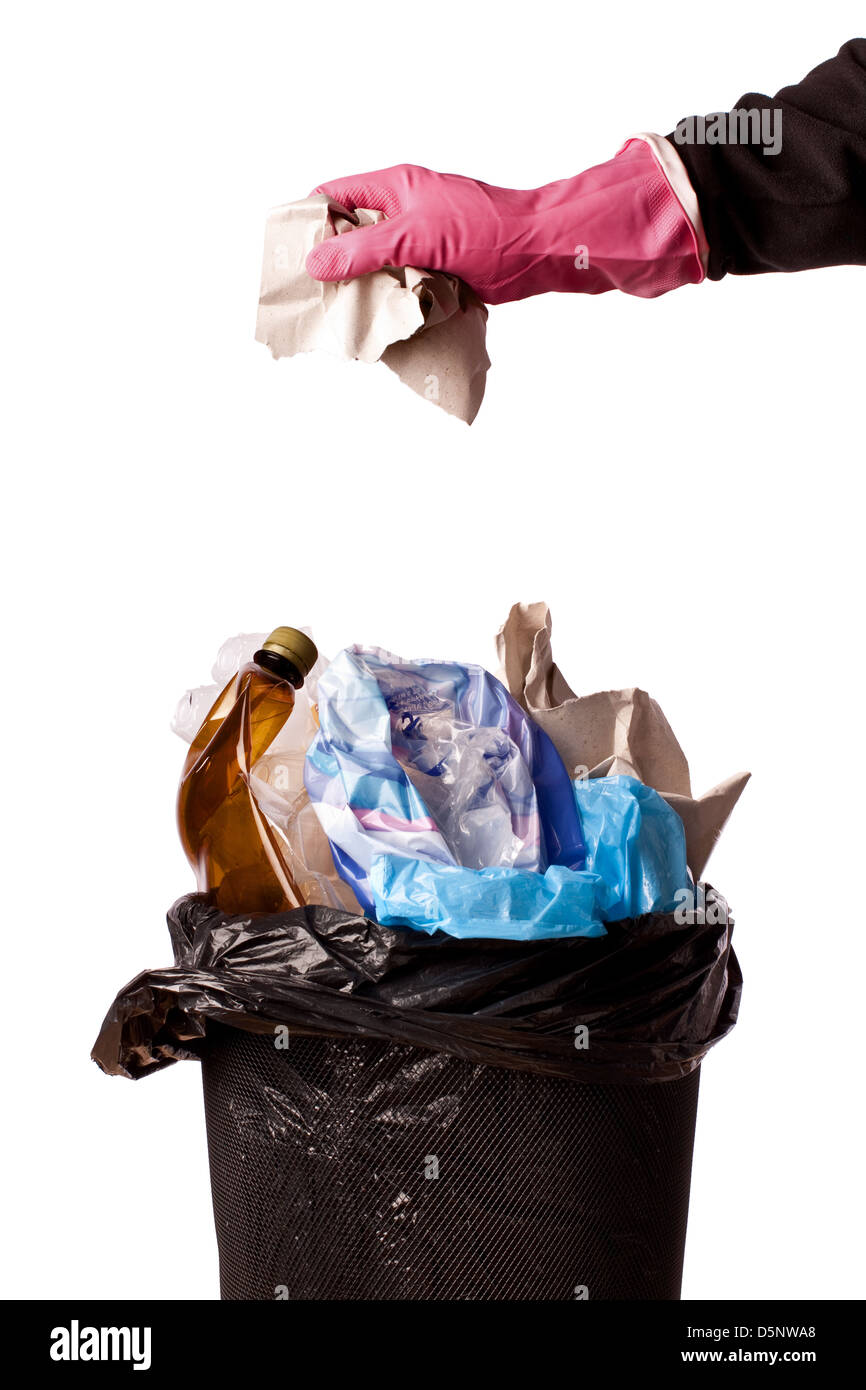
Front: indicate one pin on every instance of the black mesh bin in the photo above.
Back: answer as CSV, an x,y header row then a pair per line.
x,y
352,1168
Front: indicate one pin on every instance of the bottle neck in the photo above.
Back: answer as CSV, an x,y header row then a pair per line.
x,y
279,666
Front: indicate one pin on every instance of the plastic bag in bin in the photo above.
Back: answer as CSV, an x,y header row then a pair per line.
x,y
635,864
435,761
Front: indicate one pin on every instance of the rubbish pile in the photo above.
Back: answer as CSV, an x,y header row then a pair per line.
x,y
338,816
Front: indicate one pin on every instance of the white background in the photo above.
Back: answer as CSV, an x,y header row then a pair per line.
x,y
679,479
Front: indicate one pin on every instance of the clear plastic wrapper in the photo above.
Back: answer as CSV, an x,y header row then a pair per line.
x,y
435,761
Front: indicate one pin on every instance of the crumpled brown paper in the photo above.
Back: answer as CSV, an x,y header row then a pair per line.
x,y
611,732
427,327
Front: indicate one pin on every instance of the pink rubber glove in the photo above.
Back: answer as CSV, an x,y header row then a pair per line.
x,y
619,226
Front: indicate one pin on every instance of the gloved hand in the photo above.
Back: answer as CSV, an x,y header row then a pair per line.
x,y
619,226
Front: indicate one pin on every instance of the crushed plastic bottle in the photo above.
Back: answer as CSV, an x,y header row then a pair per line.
x,y
233,849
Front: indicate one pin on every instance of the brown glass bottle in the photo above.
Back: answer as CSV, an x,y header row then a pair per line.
x,y
230,845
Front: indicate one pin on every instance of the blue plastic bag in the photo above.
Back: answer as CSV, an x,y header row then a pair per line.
x,y
509,904
635,864
635,843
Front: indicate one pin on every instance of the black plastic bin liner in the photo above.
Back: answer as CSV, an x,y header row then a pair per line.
x,y
652,996
353,1168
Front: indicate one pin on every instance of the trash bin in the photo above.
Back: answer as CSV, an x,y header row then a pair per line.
x,y
356,1169
392,1115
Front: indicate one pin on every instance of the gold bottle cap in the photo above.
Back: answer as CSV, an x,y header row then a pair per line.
x,y
295,646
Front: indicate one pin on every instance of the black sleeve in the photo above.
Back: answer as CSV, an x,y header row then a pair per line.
x,y
804,206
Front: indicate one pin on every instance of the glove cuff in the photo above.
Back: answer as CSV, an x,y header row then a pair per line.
x,y
674,227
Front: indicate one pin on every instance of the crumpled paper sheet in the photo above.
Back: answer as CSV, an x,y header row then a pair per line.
x,y
611,732
428,327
